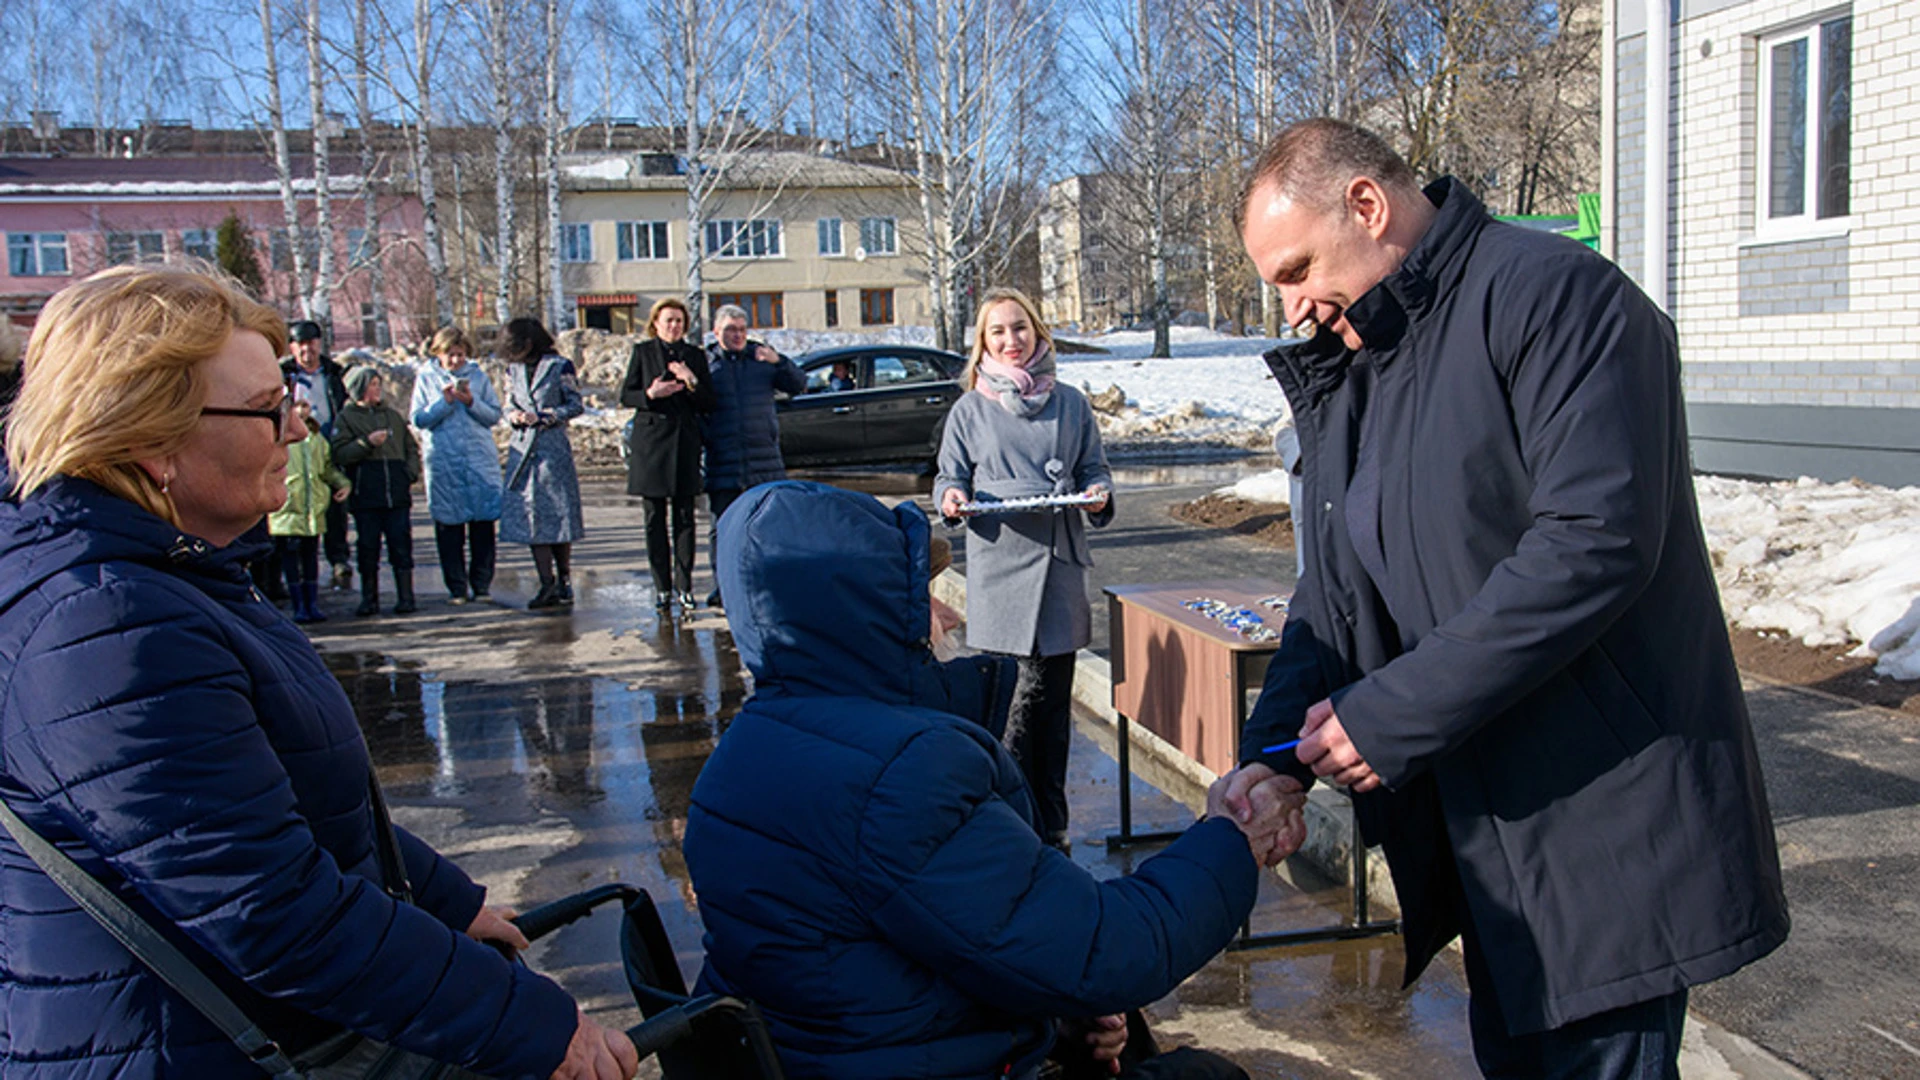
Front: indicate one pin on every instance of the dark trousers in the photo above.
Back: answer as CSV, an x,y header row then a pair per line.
x,y
717,503
1633,1042
1041,727
670,556
396,525
466,557
299,560
335,543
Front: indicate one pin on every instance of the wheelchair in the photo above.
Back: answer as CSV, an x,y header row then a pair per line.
x,y
709,1037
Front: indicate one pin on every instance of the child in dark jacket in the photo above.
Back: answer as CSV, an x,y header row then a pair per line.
x,y
377,450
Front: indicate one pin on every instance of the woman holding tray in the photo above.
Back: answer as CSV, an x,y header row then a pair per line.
x,y
1021,435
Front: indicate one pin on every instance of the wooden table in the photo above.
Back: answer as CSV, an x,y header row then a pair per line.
x,y
1192,680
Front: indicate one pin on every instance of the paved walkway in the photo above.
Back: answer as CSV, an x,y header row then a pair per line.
x,y
555,752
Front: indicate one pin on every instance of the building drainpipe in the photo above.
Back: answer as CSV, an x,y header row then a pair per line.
x,y
1609,128
1659,135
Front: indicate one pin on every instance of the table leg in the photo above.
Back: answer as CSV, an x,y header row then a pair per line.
x,y
1126,837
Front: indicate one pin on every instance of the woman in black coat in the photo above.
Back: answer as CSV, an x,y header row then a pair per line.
x,y
668,386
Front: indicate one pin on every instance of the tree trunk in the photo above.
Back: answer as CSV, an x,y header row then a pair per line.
x,y
424,162
556,288
696,192
283,165
323,283
503,249
363,105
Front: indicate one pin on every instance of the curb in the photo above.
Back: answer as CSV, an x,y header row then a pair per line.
x,y
1330,842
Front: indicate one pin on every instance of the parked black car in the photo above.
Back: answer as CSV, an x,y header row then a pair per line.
x,y
869,405
865,405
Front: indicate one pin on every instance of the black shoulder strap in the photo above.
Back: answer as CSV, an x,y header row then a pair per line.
x,y
393,869
152,949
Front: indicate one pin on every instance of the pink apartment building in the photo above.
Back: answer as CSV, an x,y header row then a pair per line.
x,y
66,217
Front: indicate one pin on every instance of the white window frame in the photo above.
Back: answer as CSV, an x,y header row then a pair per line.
x,y
38,246
1769,228
576,242
627,236
885,231
833,242
148,244
744,238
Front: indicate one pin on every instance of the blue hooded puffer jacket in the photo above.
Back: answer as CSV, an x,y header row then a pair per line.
x,y
742,433
463,464
183,742
867,866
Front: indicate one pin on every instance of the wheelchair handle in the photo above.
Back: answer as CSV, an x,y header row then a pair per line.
x,y
545,919
667,1028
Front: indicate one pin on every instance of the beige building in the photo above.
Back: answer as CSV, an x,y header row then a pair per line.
x,y
798,241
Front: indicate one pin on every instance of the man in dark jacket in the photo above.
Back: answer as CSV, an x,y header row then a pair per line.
x,y
322,383
866,861
1508,641
742,434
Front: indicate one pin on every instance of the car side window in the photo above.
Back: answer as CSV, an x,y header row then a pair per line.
x,y
904,369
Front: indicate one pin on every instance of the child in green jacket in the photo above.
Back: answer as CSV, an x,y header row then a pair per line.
x,y
312,483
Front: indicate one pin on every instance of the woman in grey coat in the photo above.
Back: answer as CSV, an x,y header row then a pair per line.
x,y
541,503
1021,434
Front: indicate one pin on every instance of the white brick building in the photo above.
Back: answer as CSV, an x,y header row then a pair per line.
x,y
1780,159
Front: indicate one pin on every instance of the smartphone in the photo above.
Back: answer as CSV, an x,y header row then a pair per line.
x,y
460,384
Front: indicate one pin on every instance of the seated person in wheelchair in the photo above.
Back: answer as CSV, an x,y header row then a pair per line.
x,y
867,865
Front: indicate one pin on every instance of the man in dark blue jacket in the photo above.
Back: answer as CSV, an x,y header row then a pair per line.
x,y
742,434
1508,641
867,864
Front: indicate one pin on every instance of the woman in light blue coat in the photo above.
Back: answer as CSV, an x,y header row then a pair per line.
x,y
455,408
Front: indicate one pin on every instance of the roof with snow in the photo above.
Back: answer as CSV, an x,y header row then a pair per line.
x,y
753,169
26,177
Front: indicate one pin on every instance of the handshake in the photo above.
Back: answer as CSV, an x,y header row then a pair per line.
x,y
1269,808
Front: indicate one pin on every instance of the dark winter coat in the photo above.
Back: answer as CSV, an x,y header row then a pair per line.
x,y
182,741
742,433
1537,664
867,866
383,476
663,457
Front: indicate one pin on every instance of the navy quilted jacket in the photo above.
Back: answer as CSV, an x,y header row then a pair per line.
x,y
867,866
742,433
184,743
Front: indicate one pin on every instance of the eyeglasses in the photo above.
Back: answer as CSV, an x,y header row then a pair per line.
x,y
278,414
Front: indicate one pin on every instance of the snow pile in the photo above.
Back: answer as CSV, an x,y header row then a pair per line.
x,y
1825,563
1215,389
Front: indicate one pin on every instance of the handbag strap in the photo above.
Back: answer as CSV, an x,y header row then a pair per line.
x,y
152,949
386,846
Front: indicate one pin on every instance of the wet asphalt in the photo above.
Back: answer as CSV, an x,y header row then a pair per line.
x,y
548,753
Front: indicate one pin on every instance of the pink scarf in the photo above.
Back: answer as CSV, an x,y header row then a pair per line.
x,y
1023,389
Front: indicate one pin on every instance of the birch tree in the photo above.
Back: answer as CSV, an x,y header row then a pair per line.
x,y
557,316
283,161
369,200
320,306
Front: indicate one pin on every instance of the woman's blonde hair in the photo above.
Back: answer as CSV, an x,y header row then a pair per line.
x,y
978,347
446,338
113,374
662,304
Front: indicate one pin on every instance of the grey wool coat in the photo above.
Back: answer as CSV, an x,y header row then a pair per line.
x,y
1026,573
541,503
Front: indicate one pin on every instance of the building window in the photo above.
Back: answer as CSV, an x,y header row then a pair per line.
x,y
877,236
279,251
833,308
198,243
126,247
830,243
37,254
743,239
1096,266
576,242
876,307
359,247
638,240
765,311
373,329
1806,78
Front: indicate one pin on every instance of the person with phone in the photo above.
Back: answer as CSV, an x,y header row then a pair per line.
x,y
455,408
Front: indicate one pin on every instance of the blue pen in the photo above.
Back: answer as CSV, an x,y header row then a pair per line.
x,y
1277,747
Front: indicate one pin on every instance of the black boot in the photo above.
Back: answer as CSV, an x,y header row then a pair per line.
x,y
548,596
564,592
369,596
403,592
